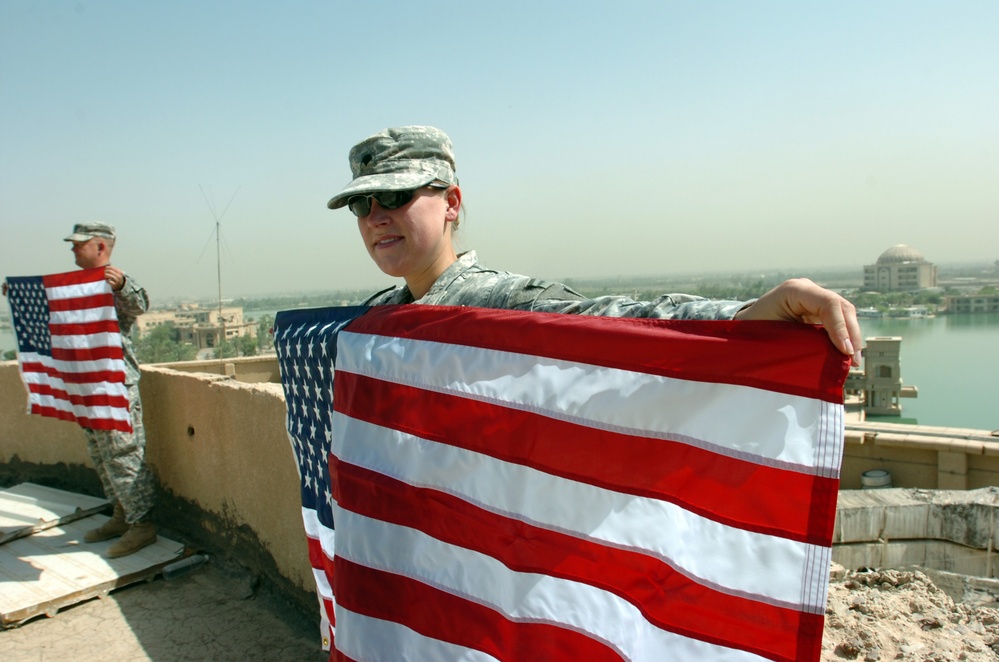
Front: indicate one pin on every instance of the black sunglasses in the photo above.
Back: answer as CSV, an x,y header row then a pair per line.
x,y
360,205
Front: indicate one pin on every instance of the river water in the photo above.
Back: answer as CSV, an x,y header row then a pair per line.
x,y
954,362
952,359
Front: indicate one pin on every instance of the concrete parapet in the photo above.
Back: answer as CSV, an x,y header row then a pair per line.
x,y
948,530
921,456
873,515
251,369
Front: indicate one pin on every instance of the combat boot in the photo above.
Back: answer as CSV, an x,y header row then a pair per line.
x,y
138,536
112,528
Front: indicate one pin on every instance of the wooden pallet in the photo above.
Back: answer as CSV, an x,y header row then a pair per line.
x,y
53,568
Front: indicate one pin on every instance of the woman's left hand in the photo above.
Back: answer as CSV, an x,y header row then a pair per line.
x,y
801,300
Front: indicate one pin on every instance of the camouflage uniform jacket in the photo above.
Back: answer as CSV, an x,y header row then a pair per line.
x,y
130,302
469,283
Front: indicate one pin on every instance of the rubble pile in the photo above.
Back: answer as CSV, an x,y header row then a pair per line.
x,y
902,615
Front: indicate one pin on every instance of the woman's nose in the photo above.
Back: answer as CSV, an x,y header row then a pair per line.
x,y
378,214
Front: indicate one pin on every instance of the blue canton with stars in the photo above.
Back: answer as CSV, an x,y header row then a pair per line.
x,y
30,313
305,341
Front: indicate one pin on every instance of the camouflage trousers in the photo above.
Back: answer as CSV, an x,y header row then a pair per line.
x,y
120,460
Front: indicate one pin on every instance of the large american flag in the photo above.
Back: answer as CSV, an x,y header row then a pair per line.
x,y
514,486
69,348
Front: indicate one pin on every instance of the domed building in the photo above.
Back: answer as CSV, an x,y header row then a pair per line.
x,y
901,268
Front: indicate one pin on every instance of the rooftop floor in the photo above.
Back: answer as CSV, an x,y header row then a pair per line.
x,y
212,613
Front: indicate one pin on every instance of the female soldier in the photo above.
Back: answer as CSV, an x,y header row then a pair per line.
x,y
406,197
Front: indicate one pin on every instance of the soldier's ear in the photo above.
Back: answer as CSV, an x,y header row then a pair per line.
x,y
453,197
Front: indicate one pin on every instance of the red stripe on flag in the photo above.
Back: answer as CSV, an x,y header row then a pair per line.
x,y
104,424
446,617
667,598
337,656
82,303
52,412
329,608
109,376
85,328
711,485
726,352
90,354
316,554
74,277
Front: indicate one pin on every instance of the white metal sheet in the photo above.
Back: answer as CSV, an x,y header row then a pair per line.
x,y
54,568
27,507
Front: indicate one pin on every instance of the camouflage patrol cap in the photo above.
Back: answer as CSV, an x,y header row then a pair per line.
x,y
87,231
398,159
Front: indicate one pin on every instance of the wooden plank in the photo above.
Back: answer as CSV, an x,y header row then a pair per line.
x,y
27,508
52,569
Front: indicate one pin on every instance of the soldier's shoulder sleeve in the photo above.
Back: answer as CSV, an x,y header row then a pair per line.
x,y
381,297
537,293
131,299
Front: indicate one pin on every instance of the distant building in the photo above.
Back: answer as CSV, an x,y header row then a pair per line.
x,y
201,327
973,303
911,312
879,383
901,268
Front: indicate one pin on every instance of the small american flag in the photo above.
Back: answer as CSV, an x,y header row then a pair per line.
x,y
512,486
69,348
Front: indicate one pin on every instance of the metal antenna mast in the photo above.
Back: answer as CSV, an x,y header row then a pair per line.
x,y
218,260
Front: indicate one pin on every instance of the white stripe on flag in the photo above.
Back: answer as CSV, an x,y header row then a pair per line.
x,y
775,429
83,315
77,290
97,365
87,341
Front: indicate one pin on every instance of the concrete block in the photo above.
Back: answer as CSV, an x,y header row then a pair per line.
x,y
871,515
969,524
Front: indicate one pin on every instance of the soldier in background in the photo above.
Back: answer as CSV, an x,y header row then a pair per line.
x,y
119,457
407,201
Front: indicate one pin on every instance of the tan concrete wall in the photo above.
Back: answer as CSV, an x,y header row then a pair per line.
x,y
222,444
211,441
908,467
34,439
921,456
983,471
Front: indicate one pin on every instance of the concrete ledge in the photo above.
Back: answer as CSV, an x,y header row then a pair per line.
x,y
950,530
263,368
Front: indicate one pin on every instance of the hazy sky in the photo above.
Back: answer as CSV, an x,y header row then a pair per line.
x,y
591,138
